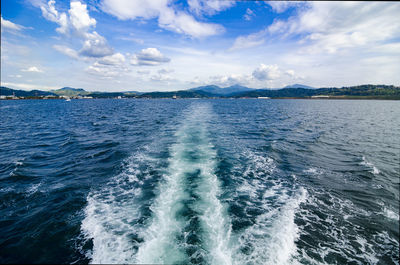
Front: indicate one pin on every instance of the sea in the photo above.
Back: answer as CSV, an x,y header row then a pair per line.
x,y
199,181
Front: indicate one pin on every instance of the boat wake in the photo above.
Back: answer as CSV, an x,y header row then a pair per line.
x,y
186,222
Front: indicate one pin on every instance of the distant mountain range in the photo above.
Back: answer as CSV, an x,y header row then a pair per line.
x,y
216,90
299,86
236,91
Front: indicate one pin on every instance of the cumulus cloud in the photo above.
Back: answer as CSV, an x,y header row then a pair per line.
x,y
10,26
95,46
262,76
168,18
149,56
32,69
161,77
79,23
266,72
50,12
115,59
230,79
80,18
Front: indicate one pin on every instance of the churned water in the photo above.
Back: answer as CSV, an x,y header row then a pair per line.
x,y
199,181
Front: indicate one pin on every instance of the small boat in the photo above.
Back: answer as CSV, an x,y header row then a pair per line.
x,y
68,99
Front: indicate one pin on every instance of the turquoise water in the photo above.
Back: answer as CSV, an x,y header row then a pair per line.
x,y
200,181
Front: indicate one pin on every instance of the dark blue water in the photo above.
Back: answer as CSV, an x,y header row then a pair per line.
x,y
199,181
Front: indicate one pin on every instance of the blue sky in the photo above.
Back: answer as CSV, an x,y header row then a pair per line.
x,y
124,45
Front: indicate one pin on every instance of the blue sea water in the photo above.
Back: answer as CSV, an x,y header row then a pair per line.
x,y
225,181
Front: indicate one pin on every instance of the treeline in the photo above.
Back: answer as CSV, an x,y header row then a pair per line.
x,y
370,91
362,91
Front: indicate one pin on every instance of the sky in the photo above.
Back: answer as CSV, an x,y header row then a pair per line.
x,y
164,45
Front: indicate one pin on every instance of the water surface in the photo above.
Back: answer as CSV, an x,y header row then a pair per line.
x,y
199,181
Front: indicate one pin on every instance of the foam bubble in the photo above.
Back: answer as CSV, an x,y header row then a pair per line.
x,y
374,170
390,214
112,216
271,239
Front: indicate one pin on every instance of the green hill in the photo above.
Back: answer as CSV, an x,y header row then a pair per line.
x,y
5,91
70,92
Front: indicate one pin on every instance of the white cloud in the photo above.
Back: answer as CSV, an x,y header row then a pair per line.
x,y
80,24
16,76
25,86
331,26
115,59
50,13
209,7
251,40
143,72
149,56
266,72
168,18
102,71
67,51
95,46
32,69
8,25
290,73
249,14
183,23
161,77
165,71
231,79
136,40
282,6
80,18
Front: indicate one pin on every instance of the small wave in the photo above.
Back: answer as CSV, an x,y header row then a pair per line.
x,y
333,218
312,170
33,189
374,170
390,214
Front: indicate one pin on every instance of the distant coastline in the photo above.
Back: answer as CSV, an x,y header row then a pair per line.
x,y
384,92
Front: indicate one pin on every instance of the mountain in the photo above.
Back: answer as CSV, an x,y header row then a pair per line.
x,y
355,92
5,91
73,89
216,90
299,86
179,94
70,92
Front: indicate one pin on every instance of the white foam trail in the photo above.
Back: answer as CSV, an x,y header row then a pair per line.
x,y
161,243
271,240
273,235
111,218
214,218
